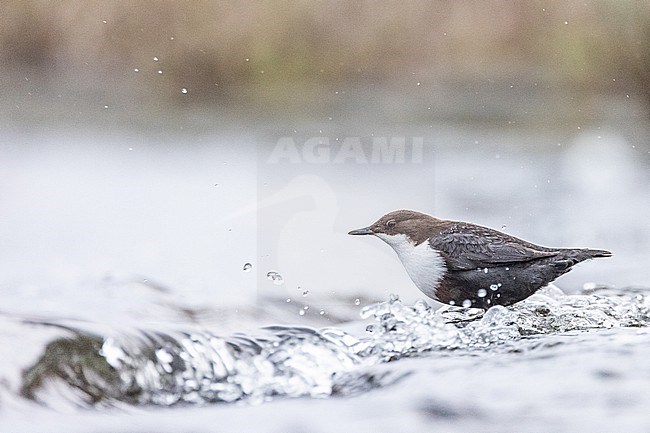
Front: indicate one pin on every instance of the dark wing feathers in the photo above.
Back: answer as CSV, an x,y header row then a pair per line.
x,y
466,246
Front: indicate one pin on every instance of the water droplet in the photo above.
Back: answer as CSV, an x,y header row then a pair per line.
x,y
130,149
452,302
467,303
136,70
275,277
357,301
160,72
493,287
183,90
507,268
105,106
485,270
306,307
248,60
321,312
247,267
288,300
589,286
104,21
155,59
481,293
301,312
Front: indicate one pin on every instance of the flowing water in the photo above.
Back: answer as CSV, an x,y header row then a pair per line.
x,y
461,369
90,345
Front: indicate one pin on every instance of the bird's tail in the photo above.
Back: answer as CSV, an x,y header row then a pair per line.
x,y
578,255
597,253
573,256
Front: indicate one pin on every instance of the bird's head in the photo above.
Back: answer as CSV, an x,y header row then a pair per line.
x,y
399,226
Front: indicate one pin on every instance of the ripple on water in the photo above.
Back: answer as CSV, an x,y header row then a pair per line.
x,y
200,367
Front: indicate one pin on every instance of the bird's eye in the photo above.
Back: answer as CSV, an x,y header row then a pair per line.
x,y
390,224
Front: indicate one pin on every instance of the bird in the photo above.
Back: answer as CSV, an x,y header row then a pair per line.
x,y
463,264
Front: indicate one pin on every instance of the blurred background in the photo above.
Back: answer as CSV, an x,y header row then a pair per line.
x,y
135,136
65,61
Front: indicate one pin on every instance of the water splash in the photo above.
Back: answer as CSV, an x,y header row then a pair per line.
x,y
203,368
200,367
275,277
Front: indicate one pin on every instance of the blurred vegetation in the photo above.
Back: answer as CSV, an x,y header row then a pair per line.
x,y
278,54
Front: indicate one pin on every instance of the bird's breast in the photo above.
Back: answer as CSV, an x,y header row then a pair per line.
x,y
425,266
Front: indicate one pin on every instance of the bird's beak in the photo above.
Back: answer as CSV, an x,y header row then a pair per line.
x,y
364,231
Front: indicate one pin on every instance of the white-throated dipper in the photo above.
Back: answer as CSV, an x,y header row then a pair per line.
x,y
465,264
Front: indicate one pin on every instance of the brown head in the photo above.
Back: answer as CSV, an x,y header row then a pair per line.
x,y
417,226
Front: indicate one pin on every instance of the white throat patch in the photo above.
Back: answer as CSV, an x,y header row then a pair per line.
x,y
424,265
